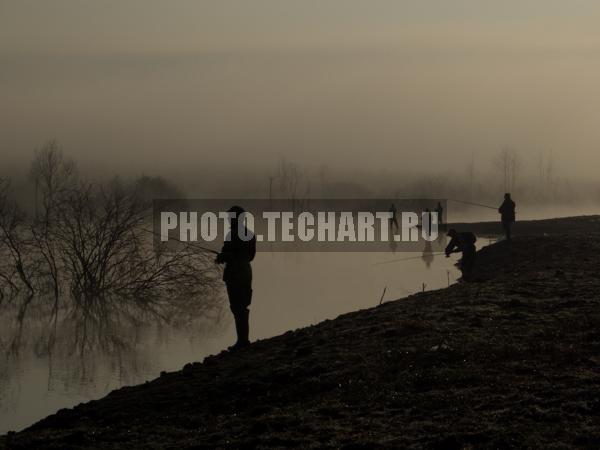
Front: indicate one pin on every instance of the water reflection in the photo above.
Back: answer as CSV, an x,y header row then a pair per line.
x,y
427,255
83,349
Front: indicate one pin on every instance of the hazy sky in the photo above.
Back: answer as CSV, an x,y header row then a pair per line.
x,y
153,85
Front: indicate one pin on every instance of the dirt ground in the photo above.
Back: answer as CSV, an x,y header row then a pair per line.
x,y
511,360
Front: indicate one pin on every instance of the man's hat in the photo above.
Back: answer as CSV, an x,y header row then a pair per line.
x,y
451,232
237,211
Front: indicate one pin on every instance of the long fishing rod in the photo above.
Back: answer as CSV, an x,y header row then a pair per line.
x,y
473,204
409,258
190,244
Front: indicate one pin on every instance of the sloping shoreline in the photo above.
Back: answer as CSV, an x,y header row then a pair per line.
x,y
509,361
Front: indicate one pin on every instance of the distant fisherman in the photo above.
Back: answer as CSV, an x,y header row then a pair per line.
x,y
440,213
465,243
427,221
507,215
237,254
393,219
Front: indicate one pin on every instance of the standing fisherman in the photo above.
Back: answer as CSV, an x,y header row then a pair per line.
x,y
237,253
427,221
393,220
465,243
507,215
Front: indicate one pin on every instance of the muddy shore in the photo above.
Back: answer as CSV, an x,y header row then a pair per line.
x,y
511,360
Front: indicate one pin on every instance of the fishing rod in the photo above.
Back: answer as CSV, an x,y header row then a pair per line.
x,y
190,244
473,204
409,258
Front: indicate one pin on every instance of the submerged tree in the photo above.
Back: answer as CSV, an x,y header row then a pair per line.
x,y
92,239
16,268
106,247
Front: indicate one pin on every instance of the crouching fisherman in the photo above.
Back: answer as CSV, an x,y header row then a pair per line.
x,y
236,254
464,243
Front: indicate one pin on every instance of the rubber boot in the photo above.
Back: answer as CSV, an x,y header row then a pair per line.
x,y
243,335
241,329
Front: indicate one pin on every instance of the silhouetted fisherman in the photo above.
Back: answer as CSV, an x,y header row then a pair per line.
x,y
463,242
237,254
393,219
507,215
440,213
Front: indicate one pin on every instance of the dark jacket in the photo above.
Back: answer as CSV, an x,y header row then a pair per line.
x,y
507,210
237,255
465,242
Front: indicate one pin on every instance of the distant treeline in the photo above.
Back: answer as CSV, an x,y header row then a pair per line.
x,y
538,182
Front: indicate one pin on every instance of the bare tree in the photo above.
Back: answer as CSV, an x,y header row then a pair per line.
x,y
105,248
547,177
51,173
14,268
92,240
294,183
507,162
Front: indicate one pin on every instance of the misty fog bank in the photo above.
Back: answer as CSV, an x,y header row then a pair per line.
x,y
387,98
372,109
538,186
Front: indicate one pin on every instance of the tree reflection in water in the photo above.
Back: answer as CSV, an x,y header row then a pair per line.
x,y
93,345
